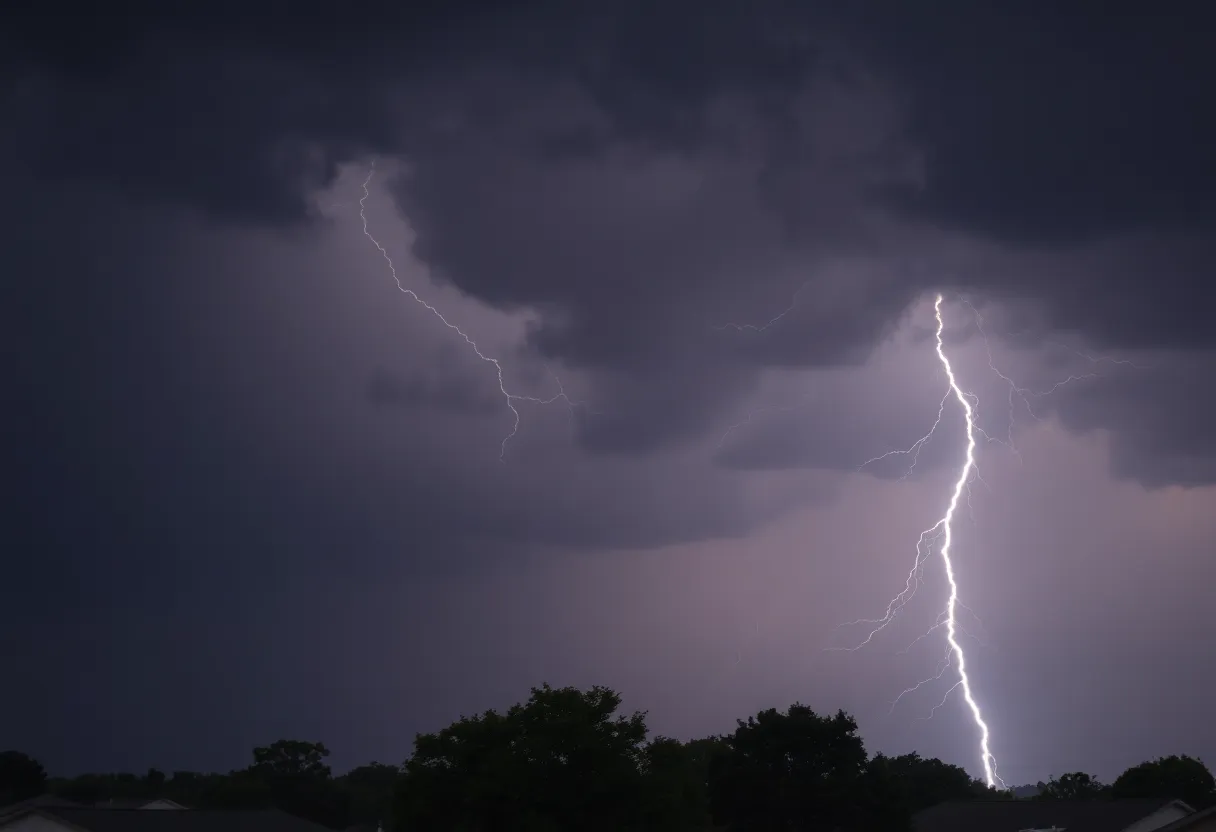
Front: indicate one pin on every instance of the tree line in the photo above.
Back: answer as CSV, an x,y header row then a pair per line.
x,y
568,759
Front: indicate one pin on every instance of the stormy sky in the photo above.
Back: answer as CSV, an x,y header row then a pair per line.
x,y
253,490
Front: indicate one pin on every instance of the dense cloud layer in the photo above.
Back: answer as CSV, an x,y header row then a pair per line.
x,y
639,177
719,229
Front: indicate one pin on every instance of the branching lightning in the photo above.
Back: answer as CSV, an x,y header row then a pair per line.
x,y
771,321
939,537
947,526
510,398
1025,394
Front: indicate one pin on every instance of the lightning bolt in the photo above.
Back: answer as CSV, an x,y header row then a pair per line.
x,y
946,523
940,536
942,533
508,396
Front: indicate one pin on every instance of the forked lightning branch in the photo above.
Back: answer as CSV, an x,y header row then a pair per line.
x,y
941,533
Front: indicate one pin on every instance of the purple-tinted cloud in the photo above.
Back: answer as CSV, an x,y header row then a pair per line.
x,y
235,445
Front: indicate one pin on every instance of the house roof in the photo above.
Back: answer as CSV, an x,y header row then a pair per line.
x,y
196,820
1019,815
1189,821
138,803
34,803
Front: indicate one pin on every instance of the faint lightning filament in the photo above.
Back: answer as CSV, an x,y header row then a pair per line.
x,y
511,398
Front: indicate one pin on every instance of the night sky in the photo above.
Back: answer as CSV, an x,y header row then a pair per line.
x,y
251,490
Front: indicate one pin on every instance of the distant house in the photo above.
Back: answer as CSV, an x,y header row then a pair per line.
x,y
1204,821
145,803
93,819
1058,816
47,800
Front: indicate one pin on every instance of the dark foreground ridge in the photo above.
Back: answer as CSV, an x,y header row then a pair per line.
x,y
569,759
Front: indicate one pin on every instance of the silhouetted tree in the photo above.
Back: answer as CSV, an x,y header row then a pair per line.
x,y
1184,778
371,789
299,781
186,787
292,759
677,777
879,803
926,782
800,771
243,789
87,788
21,777
1076,785
562,760
566,759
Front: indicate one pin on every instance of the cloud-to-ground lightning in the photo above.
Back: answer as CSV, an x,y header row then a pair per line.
x,y
508,396
940,536
940,533
946,523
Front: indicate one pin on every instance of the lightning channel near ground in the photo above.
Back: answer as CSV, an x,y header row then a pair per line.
x,y
939,538
510,398
946,524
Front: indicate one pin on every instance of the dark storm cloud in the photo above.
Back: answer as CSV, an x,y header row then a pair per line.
x,y
638,176
149,347
259,97
827,437
578,191
1160,419
233,450
191,462
865,419
1007,104
1144,291
444,391
1053,128
1051,123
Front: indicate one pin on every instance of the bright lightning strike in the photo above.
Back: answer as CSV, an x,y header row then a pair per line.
x,y
947,526
940,536
511,398
941,533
